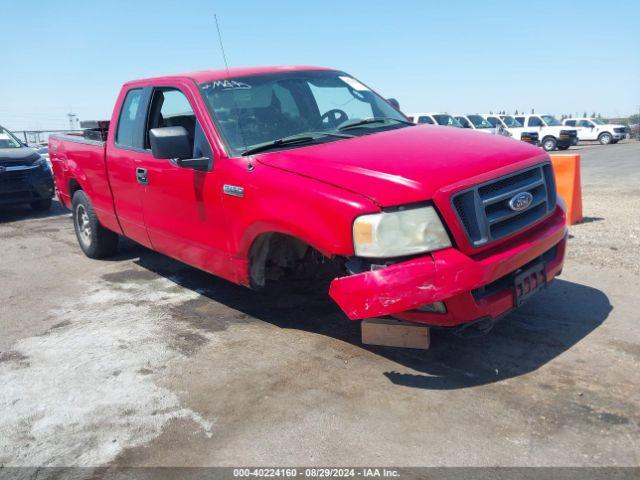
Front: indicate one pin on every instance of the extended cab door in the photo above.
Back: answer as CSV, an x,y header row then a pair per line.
x,y
124,156
182,206
587,130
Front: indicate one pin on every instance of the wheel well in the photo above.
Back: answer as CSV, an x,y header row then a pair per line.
x,y
608,133
275,256
548,137
74,186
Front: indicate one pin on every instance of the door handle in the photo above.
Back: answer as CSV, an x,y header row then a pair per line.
x,y
142,175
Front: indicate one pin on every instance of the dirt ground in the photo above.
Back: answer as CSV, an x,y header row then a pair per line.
x,y
140,360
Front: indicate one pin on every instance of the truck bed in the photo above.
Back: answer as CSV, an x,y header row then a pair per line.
x,y
78,162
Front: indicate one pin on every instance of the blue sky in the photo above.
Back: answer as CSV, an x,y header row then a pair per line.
x,y
465,56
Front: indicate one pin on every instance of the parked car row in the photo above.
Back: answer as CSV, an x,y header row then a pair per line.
x,y
539,129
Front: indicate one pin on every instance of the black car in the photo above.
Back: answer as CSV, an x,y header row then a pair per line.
x,y
25,176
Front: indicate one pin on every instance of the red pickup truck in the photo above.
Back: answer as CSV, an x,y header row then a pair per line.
x,y
254,173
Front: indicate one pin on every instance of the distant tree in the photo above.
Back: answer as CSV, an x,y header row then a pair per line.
x,y
532,111
584,114
516,112
593,115
633,119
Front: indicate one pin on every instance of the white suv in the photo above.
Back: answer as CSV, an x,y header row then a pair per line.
x,y
512,127
551,132
476,122
596,129
443,119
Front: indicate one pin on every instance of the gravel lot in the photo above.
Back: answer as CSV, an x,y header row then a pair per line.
x,y
610,233
141,360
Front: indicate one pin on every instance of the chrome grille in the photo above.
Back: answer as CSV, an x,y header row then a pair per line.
x,y
484,210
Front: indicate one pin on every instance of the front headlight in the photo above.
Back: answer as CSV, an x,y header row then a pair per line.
x,y
400,233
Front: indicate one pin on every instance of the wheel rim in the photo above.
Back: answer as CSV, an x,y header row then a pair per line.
x,y
548,145
606,138
83,225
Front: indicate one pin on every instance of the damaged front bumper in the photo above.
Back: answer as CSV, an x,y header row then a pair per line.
x,y
471,288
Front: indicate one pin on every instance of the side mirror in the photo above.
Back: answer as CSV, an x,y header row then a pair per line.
x,y
172,143
394,102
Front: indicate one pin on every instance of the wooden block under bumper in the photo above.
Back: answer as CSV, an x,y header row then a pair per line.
x,y
394,333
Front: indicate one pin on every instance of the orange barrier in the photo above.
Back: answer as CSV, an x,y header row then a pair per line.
x,y
567,172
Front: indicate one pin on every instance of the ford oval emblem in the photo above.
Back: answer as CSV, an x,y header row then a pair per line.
x,y
520,201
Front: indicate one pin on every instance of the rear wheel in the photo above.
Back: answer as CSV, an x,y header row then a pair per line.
x,y
41,205
549,144
95,240
605,138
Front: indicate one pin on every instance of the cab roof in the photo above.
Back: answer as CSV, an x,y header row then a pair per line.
x,y
221,74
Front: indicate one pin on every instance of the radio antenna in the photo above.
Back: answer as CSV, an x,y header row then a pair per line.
x,y
233,92
224,56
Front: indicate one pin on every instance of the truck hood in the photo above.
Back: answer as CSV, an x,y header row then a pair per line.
x,y
17,156
404,165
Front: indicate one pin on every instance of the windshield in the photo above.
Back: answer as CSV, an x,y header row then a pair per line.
x,y
597,121
478,121
511,122
551,121
447,120
7,140
258,109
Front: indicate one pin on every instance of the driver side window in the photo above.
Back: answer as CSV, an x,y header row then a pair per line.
x,y
465,123
535,122
171,108
425,120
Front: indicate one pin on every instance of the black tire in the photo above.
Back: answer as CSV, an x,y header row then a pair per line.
x,y
95,240
549,144
605,138
564,147
41,205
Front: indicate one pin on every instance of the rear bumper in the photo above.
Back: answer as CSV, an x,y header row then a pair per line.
x,y
25,184
470,287
567,141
